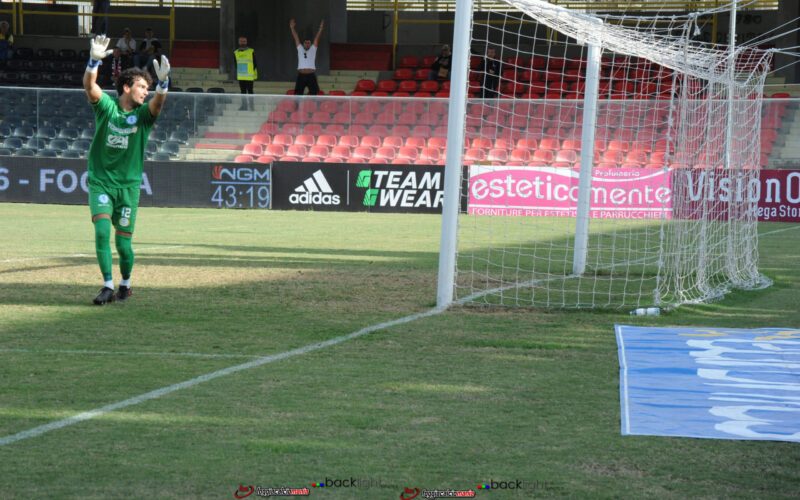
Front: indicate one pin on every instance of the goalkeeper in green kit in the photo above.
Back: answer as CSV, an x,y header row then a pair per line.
x,y
116,159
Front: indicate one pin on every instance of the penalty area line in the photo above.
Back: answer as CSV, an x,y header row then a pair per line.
x,y
87,415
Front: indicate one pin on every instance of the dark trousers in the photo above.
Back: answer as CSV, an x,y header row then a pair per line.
x,y
306,80
246,86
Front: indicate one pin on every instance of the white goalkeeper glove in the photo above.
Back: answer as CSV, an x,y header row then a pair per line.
x,y
97,52
162,72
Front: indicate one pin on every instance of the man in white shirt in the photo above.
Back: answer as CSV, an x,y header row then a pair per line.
x,y
306,62
127,46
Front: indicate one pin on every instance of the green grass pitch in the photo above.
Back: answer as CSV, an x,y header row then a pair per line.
x,y
451,401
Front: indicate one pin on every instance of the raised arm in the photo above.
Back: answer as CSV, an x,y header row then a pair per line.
x,y
294,33
319,32
97,52
162,72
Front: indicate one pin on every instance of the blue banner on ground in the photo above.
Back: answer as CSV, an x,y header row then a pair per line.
x,y
710,382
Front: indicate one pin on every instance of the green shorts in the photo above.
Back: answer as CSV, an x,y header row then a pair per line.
x,y
120,203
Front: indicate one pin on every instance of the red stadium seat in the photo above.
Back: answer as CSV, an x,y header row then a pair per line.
x,y
340,152
497,155
365,85
348,140
618,146
265,159
364,118
384,118
403,74
327,140
387,86
527,143
409,62
520,155
552,144
482,143
305,140
637,156
364,152
296,151
253,149
372,141
318,152
407,118
282,139
422,131
287,106
407,153
613,156
430,156
542,157
378,130
329,106
407,86
474,154
429,86
314,129
357,129
437,142
385,152
567,156
261,138
394,141
420,74
415,142
244,159
275,150
269,128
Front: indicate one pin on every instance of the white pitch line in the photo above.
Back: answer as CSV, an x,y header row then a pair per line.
x,y
129,353
28,259
80,417
780,230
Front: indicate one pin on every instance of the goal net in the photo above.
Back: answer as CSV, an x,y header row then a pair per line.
x,y
610,161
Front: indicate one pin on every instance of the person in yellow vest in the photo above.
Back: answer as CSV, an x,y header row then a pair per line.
x,y
246,71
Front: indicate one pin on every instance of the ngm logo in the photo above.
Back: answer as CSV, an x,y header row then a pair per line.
x,y
245,174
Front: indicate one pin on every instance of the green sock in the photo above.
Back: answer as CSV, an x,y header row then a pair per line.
x,y
102,233
125,251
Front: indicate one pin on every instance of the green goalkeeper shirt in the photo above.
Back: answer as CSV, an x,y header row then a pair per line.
x,y
116,156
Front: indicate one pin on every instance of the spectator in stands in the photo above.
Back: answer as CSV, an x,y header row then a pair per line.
x,y
156,56
6,41
306,62
127,46
144,56
100,24
112,66
440,69
246,72
490,69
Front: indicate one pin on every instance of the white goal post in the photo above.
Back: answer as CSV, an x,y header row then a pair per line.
x,y
598,161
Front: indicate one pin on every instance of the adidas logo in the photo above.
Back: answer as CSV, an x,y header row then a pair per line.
x,y
314,191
